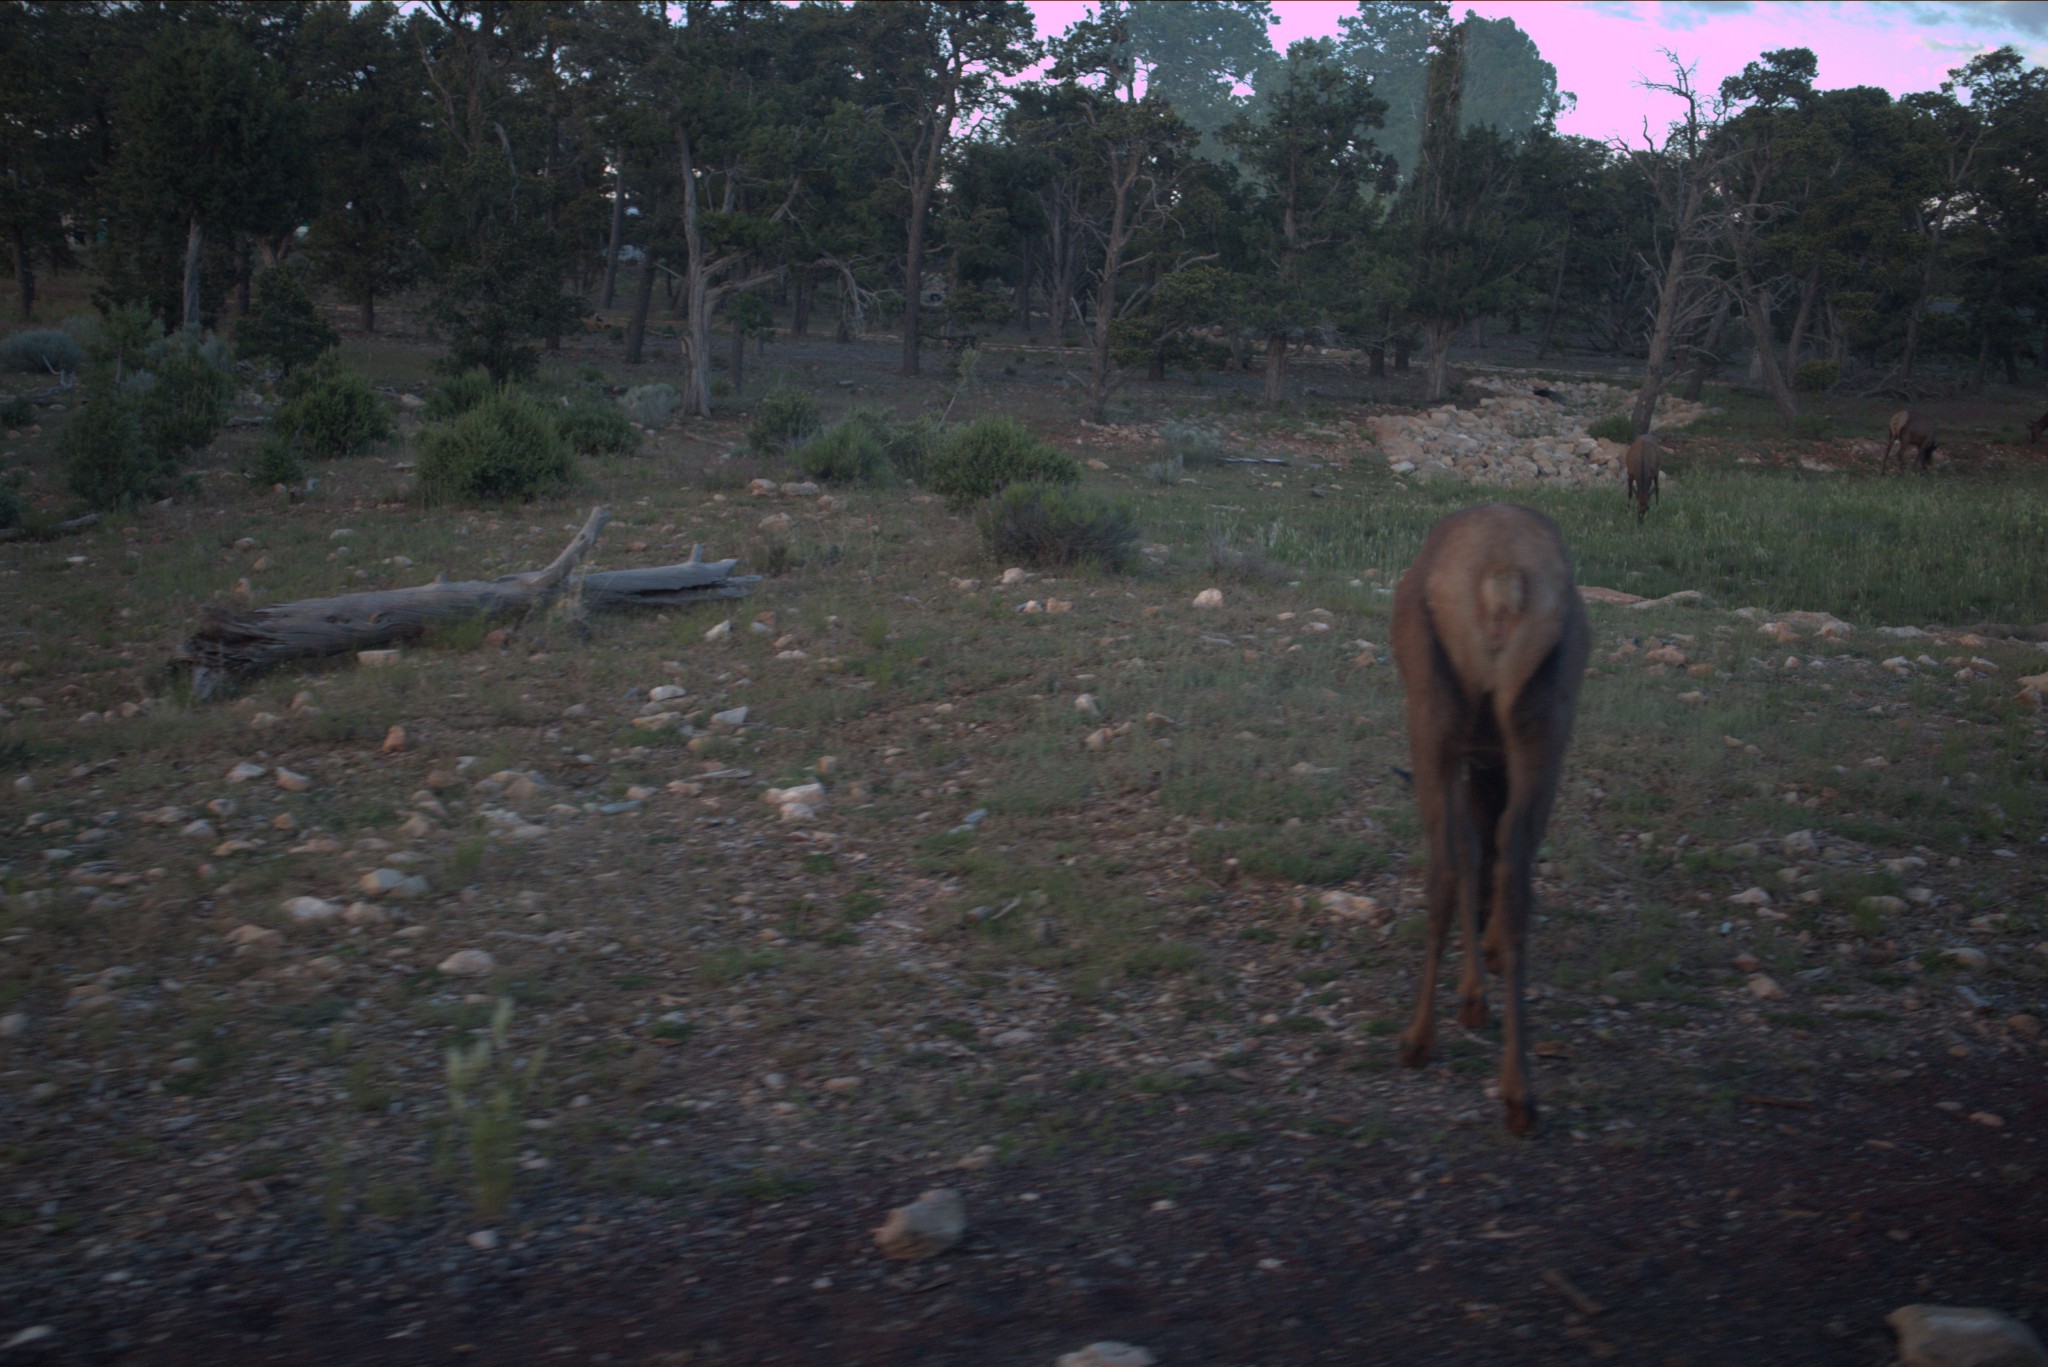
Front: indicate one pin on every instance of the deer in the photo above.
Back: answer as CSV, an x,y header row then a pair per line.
x,y
2036,428
1639,472
1909,430
1491,640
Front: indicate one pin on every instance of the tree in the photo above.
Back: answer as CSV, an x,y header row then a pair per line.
x,y
1465,214
1308,160
208,142
930,66
369,120
1193,54
52,83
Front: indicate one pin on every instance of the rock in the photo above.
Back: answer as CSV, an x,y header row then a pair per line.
x,y
468,963
483,1240
1012,1039
1107,1353
1751,897
800,489
202,828
1888,906
925,1228
809,794
1209,598
245,771
292,782
417,826
377,659
1695,698
252,937
1959,1336
394,741
365,914
664,692
1801,845
1764,987
1014,575
393,883
13,1025
840,1086
732,717
1086,705
719,632
775,524
1967,957
311,909
1351,906
526,787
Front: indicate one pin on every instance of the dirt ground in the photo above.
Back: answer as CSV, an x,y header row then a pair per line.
x,y
1113,1011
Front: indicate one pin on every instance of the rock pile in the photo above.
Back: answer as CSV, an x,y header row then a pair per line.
x,y
1515,436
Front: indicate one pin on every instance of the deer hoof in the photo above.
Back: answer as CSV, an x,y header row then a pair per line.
x,y
1521,1116
1414,1052
1472,1013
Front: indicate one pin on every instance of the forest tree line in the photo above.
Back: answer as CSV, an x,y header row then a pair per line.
x,y
1157,185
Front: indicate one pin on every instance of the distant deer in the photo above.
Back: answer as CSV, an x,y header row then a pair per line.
x,y
2036,428
1491,639
1639,467
1912,431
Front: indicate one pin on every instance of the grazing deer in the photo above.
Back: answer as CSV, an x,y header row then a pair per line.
x,y
1639,468
1909,430
1491,639
2036,428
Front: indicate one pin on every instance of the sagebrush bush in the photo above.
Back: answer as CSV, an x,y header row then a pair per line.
x,y
330,410
1191,444
1046,524
507,447
43,351
652,405
458,394
907,444
110,461
845,453
783,418
285,325
16,412
988,455
595,426
1814,377
1614,427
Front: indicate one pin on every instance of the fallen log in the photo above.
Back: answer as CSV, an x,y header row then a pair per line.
x,y
232,644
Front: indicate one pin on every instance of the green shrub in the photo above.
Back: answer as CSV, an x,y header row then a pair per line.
x,y
286,325
594,426
119,340
1814,377
458,394
1616,427
845,453
274,462
182,398
330,410
1812,426
43,351
1192,445
783,418
12,508
908,444
652,405
16,412
1044,524
111,462
507,447
988,455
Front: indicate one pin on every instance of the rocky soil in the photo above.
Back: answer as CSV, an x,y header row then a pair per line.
x,y
1515,436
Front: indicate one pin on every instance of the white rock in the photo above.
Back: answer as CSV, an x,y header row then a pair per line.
x,y
1086,704
311,909
1015,575
1961,1336
664,692
1765,988
811,794
483,1240
719,632
736,716
249,937
13,1025
796,811
365,914
393,883
1968,957
1351,906
202,828
1751,897
1011,1039
468,963
245,771
1107,1353
925,1228
1209,598
292,782
375,659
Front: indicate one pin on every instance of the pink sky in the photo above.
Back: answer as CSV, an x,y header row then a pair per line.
x,y
1602,48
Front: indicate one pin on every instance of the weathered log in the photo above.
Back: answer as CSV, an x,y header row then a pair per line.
x,y
232,644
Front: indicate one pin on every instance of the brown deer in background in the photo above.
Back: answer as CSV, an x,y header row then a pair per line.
x,y
1639,467
1909,431
1490,635
2036,428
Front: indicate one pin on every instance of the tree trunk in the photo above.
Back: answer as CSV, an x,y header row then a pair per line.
x,y
195,246
1377,355
800,306
1556,295
913,279
1276,368
1401,350
1669,298
1024,285
842,329
1756,310
643,299
697,326
1706,359
1101,377
1156,369
24,276
1809,290
739,360
1437,334
611,250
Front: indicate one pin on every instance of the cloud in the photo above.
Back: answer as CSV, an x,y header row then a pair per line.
x,y
2027,17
